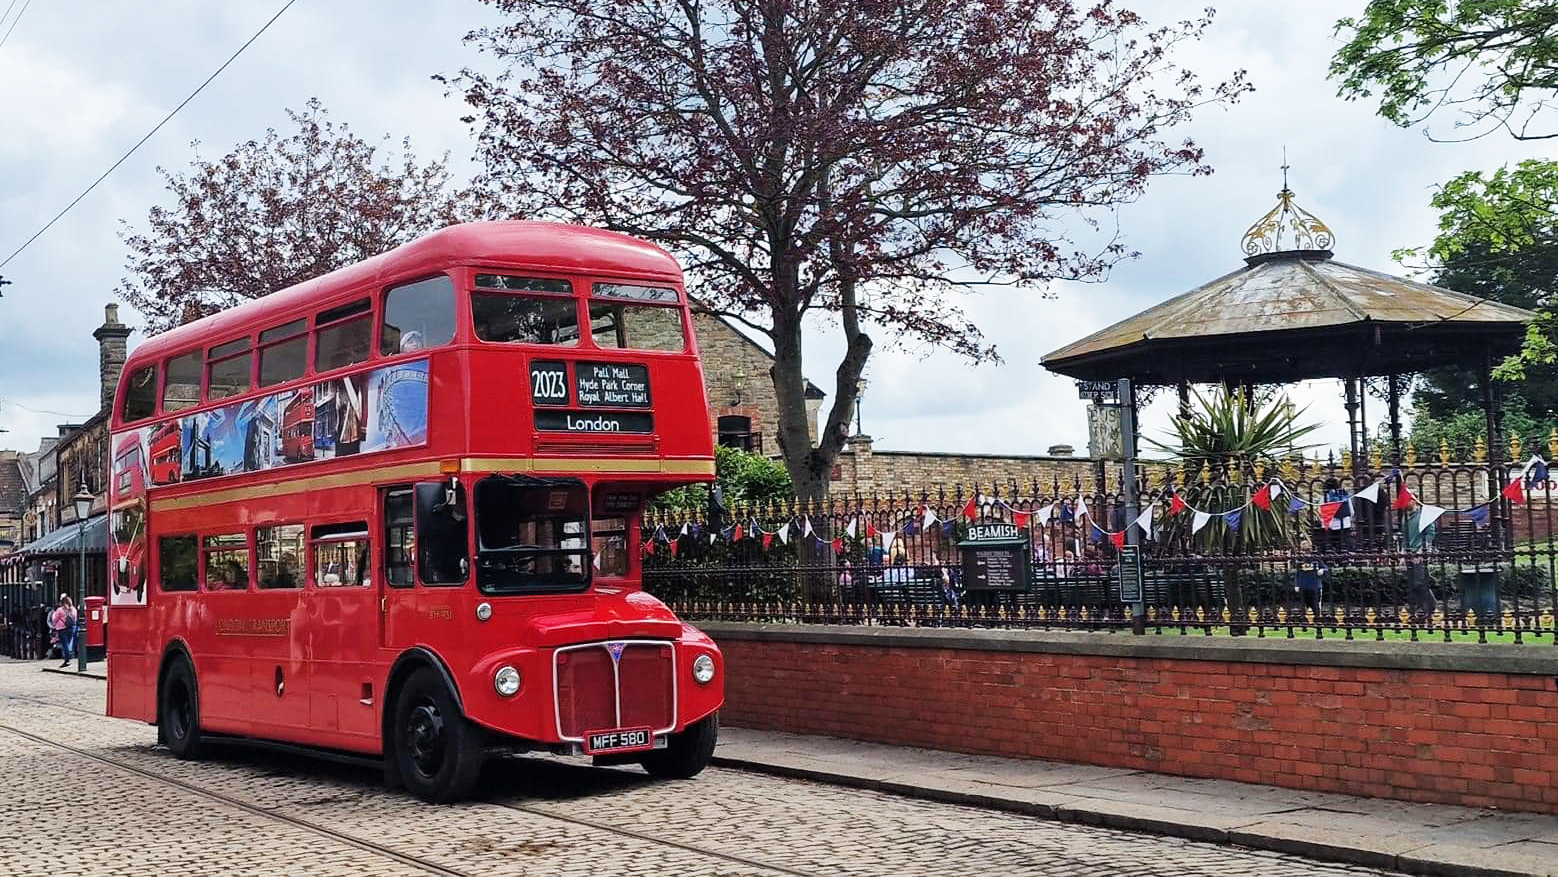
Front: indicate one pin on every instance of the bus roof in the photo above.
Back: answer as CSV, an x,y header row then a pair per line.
x,y
517,244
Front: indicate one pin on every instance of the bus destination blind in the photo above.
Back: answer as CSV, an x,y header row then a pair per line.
x,y
612,385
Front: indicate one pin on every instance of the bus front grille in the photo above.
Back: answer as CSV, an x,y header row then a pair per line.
x,y
596,692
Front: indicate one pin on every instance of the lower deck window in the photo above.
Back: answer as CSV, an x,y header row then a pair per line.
x,y
177,562
227,562
341,555
281,556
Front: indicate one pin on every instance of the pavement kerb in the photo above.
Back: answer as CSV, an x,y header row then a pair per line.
x,y
1100,814
71,671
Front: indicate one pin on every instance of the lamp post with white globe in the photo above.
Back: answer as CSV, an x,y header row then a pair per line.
x,y
83,503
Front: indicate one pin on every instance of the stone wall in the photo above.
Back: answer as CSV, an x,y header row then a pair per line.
x,y
860,469
1429,722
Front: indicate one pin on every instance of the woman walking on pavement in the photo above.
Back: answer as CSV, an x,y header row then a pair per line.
x,y
63,621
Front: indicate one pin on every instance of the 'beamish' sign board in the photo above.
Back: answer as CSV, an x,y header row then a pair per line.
x,y
995,558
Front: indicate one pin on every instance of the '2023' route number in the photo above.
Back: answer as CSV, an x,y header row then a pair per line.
x,y
549,382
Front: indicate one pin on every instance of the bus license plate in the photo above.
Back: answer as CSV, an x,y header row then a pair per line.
x,y
622,740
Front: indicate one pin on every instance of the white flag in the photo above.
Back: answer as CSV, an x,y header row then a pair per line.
x,y
929,520
806,529
684,529
1045,513
1082,508
1198,521
850,530
597,560
1275,489
713,537
784,534
1430,514
887,542
1370,493
1144,521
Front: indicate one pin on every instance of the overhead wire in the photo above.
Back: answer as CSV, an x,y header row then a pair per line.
x,y
13,21
149,134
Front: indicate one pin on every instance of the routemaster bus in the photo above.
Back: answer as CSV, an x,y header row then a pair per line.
x,y
403,516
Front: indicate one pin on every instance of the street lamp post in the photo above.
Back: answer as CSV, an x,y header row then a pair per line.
x,y
860,390
83,502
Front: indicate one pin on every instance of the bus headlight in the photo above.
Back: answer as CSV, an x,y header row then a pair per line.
x,y
703,669
506,681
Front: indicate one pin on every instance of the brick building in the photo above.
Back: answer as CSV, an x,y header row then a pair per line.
x,y
13,501
865,471
743,409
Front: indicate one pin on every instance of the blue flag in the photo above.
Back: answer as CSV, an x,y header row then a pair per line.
x,y
1233,518
1536,472
1066,514
1295,505
1479,515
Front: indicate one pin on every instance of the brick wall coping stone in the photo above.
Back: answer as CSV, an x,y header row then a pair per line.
x,y
1532,660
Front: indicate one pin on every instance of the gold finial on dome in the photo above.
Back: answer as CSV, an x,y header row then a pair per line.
x,y
1302,229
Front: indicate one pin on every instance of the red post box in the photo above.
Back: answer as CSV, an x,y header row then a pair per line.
x,y
97,622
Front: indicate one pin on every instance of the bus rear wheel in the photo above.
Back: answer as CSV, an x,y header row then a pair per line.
x,y
439,753
687,754
178,720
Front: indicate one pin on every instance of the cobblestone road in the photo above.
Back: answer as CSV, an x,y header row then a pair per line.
x,y
64,765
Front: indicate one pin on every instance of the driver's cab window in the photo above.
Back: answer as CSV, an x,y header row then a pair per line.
x,y
532,535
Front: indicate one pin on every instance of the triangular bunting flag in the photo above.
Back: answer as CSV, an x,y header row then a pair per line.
x,y
660,534
1176,504
674,546
1118,539
1403,498
736,534
1275,488
1478,515
887,543
1262,497
713,537
971,510
871,531
1295,505
1234,518
1045,513
806,529
784,534
649,547
684,531
1536,471
1021,519
1328,511
1515,491
1198,520
1430,514
1369,494
595,562
850,530
1144,521
929,519
768,539
838,546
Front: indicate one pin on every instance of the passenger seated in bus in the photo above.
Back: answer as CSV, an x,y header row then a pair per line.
x,y
411,341
330,580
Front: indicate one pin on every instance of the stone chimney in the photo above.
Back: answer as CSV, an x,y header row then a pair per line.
x,y
1061,450
110,353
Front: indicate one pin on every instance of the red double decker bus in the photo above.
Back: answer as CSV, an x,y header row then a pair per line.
x,y
402,513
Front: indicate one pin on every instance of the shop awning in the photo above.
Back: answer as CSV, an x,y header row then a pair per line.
x,y
63,541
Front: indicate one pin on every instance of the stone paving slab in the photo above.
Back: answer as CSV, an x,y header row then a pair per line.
x,y
1415,838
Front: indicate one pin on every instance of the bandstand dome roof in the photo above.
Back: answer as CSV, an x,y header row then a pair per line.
x,y
1294,314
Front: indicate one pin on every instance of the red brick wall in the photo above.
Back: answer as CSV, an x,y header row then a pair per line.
x,y
1471,738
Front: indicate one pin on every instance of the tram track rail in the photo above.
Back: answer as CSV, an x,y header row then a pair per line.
x,y
370,846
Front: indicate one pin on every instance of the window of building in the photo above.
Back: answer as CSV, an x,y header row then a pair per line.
x,y
140,394
177,561
280,556
226,562
400,547
609,543
341,555
735,431
531,535
343,335
417,316
182,388
227,369
283,353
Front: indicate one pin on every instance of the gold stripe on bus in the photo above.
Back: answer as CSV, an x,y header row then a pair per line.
x,y
431,468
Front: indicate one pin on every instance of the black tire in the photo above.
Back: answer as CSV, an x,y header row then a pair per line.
x,y
178,714
688,752
438,752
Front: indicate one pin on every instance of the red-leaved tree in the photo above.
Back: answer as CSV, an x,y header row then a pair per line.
x,y
855,157
278,211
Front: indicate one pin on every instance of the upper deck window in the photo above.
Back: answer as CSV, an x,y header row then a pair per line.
x,y
227,367
343,335
418,315
140,394
618,321
182,388
551,317
283,353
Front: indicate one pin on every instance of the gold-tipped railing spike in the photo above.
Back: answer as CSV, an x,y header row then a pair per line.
x,y
1514,448
1260,471
1552,443
1290,471
1444,452
1206,473
1377,459
1347,459
1411,455
1482,450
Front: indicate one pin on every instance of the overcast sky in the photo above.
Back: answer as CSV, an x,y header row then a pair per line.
x,y
86,79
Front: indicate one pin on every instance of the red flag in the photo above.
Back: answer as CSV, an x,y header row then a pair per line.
x,y
1403,498
1020,519
1327,512
1176,505
735,535
1516,491
871,531
1118,539
675,545
971,511
649,547
768,539
1262,497
838,546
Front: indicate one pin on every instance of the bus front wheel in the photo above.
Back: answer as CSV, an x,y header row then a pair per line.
x,y
438,751
687,753
178,720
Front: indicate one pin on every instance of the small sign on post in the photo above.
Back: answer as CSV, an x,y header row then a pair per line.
x,y
1103,391
1130,574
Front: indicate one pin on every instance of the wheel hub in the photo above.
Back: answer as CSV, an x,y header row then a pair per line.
x,y
426,738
